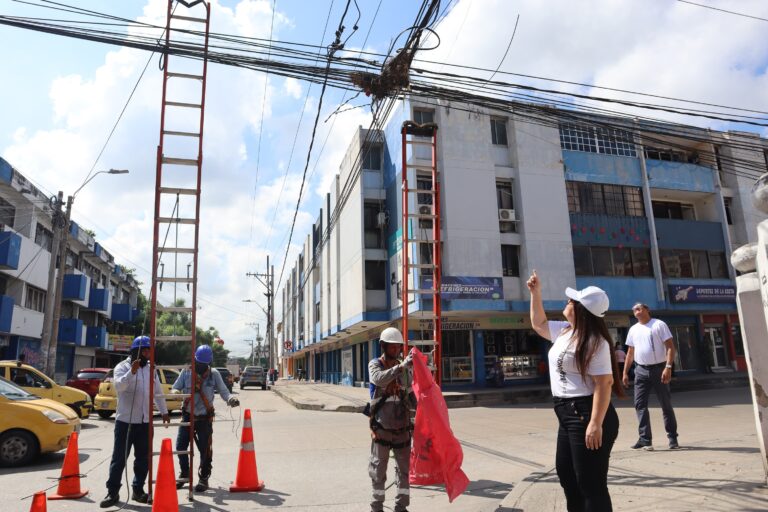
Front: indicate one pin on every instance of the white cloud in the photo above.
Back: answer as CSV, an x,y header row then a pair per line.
x,y
292,88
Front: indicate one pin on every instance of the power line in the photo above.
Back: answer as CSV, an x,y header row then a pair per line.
x,y
723,10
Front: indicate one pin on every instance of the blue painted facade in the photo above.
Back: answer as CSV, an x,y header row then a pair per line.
x,y
74,229
96,337
97,249
689,234
6,171
10,249
75,287
71,331
609,231
6,313
598,168
680,176
123,313
98,299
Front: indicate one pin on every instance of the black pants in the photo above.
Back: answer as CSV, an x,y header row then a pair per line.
x,y
648,378
127,436
583,473
203,441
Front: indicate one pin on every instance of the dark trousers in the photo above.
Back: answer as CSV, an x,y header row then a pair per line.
x,y
127,436
648,378
583,473
203,441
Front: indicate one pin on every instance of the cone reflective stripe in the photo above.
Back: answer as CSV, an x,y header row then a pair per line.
x,y
38,503
69,481
247,478
165,498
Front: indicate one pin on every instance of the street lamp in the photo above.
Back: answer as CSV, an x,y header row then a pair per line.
x,y
52,313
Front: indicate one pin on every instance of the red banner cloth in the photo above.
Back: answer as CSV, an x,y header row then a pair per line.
x,y
436,455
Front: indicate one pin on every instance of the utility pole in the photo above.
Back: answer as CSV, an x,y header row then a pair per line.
x,y
267,279
57,218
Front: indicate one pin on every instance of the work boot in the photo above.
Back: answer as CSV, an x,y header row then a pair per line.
x,y
139,495
182,480
202,485
110,501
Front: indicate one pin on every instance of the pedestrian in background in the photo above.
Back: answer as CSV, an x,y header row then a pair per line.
x,y
621,356
583,372
131,381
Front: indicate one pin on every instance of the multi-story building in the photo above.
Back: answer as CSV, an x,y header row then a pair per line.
x,y
625,205
99,297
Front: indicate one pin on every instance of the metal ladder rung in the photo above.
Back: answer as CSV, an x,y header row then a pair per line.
x,y
421,216
174,309
175,279
419,241
188,18
173,338
179,161
177,452
422,342
176,220
184,75
180,191
180,134
419,142
177,250
183,104
422,265
422,191
422,167
423,291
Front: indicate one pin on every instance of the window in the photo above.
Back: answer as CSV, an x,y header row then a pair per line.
x,y
372,157
421,116
609,141
728,216
317,312
43,237
670,210
7,213
612,261
72,259
35,299
375,275
681,263
675,155
374,238
28,379
510,261
499,132
504,195
424,183
603,199
425,258
717,265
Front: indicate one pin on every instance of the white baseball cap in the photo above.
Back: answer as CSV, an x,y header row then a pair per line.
x,y
593,298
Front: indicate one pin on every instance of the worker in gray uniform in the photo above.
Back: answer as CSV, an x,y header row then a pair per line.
x,y
392,404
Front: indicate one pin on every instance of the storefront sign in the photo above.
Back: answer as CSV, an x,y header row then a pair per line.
x,y
120,342
467,287
288,345
681,293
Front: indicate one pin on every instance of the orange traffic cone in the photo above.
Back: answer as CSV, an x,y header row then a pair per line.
x,y
39,503
165,498
247,479
69,481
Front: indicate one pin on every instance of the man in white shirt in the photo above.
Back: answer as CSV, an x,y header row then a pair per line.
x,y
131,381
652,348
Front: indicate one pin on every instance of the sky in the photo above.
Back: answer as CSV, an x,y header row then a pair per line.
x,y
59,99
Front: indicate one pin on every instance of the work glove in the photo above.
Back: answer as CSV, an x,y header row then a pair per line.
x,y
233,401
408,361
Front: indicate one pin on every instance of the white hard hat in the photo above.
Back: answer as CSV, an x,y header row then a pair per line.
x,y
391,335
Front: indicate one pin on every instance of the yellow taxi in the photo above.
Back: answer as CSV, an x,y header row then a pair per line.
x,y
30,425
105,403
36,382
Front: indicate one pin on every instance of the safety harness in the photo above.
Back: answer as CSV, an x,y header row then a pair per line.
x,y
208,408
377,402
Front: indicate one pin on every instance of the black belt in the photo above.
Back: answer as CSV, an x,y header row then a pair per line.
x,y
656,365
559,400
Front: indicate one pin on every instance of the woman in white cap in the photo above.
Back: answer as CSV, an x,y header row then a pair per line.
x,y
583,370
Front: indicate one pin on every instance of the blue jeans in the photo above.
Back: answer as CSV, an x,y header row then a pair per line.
x,y
127,436
203,441
583,473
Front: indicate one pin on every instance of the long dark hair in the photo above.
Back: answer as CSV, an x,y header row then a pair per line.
x,y
589,331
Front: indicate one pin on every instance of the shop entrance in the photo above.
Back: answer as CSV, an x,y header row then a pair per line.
x,y
714,343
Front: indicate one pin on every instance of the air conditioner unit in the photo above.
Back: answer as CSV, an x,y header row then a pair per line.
x,y
425,209
507,215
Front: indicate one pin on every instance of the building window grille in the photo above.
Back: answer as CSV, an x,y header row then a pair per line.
x,y
423,116
510,261
696,264
43,237
35,299
499,132
604,199
612,261
608,141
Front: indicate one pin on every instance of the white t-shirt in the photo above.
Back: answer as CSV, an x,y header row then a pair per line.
x,y
564,376
648,341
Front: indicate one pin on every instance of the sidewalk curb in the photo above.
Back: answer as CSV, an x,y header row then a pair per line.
x,y
298,405
517,497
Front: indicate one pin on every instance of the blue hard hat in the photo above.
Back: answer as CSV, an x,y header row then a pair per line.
x,y
204,354
140,342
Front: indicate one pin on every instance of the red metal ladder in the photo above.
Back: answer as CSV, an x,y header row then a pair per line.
x,y
426,207
177,192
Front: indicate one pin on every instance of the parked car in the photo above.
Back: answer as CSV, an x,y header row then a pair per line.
x,y
253,376
36,382
229,379
89,379
105,402
30,425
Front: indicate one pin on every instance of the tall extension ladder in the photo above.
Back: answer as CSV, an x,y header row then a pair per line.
x,y
415,136
177,192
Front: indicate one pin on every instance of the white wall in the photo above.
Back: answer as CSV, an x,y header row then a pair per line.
x,y
26,322
34,272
